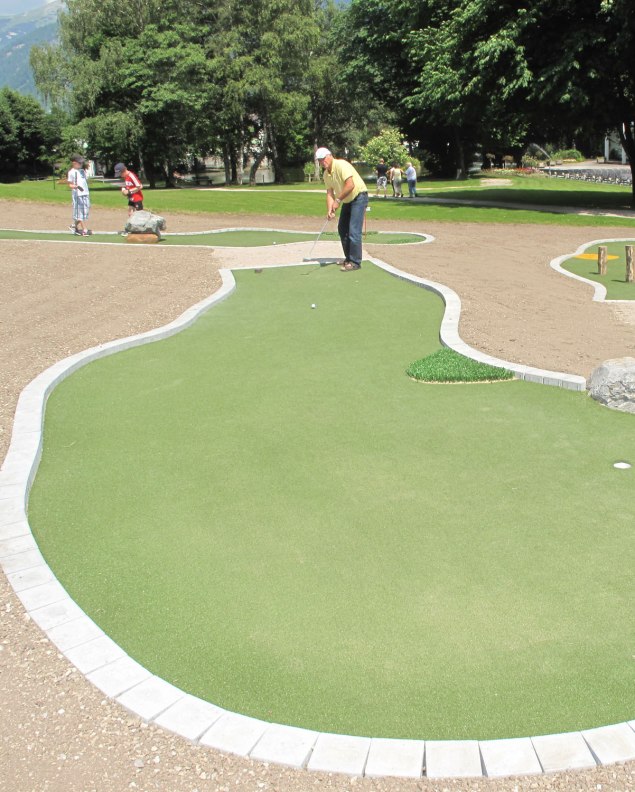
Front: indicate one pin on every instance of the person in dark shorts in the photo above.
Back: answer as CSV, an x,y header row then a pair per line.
x,y
382,178
132,188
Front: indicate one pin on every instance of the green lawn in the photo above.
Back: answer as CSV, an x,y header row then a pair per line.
x,y
266,511
615,279
308,200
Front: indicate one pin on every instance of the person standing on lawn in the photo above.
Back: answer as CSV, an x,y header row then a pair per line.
x,y
396,176
132,188
78,184
346,191
411,178
382,178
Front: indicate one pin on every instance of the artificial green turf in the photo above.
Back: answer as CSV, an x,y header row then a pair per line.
x,y
266,511
446,365
243,238
615,279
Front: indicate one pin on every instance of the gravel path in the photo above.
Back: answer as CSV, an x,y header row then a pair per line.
x,y
57,732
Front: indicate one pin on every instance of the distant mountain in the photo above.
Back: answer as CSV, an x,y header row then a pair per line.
x,y
15,7
18,34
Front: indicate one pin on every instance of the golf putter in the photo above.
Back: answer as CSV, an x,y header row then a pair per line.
x,y
310,256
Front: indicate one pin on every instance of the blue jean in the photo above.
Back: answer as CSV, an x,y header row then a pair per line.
x,y
350,227
412,188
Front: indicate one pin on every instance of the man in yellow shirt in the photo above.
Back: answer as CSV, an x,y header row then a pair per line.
x,y
345,190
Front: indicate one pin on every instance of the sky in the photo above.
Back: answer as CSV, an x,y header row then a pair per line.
x,y
11,7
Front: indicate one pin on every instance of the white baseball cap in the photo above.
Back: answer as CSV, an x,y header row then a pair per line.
x,y
321,153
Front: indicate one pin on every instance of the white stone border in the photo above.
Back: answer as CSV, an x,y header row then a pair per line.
x,y
599,290
155,700
450,337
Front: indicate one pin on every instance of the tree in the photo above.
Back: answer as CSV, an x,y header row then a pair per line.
x,y
9,142
261,58
28,135
232,79
468,71
581,58
135,78
467,67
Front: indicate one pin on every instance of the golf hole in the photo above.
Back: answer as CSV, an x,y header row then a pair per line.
x,y
622,465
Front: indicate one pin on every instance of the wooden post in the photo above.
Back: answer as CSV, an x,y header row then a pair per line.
x,y
602,260
629,264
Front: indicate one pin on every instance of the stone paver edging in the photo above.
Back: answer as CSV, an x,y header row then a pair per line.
x,y
449,335
599,290
155,700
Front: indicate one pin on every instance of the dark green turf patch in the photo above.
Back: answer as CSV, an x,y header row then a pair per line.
x,y
615,279
266,512
446,365
246,238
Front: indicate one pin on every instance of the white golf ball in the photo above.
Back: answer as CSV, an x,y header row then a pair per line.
x,y
274,243
313,305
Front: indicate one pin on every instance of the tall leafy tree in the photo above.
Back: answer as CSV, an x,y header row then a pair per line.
x,y
580,55
9,140
28,135
261,57
135,78
233,77
487,70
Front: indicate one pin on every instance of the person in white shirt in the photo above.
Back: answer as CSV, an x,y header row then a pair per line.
x,y
78,183
411,178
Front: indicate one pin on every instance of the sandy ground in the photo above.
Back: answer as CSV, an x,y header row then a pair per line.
x,y
57,732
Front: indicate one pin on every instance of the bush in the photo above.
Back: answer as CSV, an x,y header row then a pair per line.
x,y
389,145
570,154
310,171
530,162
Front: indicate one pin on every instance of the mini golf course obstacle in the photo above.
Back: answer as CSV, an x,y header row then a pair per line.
x,y
602,253
603,257
613,384
142,239
144,227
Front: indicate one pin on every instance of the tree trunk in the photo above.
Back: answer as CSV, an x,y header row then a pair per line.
x,y
147,173
227,164
255,165
627,138
240,164
232,160
278,175
168,174
261,155
461,172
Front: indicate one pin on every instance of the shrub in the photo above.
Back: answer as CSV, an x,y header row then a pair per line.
x,y
563,154
530,162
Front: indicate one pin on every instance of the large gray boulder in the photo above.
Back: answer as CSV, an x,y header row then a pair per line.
x,y
613,384
145,223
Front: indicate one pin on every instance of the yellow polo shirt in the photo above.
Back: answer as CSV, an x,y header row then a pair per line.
x,y
341,170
